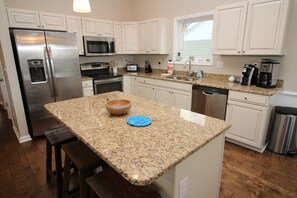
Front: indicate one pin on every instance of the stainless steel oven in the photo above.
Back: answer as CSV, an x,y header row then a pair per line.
x,y
103,80
108,85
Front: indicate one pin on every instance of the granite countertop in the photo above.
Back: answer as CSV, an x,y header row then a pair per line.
x,y
139,154
213,80
84,78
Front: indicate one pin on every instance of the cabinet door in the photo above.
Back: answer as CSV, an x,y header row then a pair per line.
x,y
23,18
74,25
164,95
247,123
154,37
129,37
127,84
143,37
117,32
229,28
133,87
89,27
265,27
105,28
52,21
146,91
181,99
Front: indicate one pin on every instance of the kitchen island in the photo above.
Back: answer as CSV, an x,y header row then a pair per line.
x,y
179,153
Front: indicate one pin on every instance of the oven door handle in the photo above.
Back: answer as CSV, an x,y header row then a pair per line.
x,y
110,80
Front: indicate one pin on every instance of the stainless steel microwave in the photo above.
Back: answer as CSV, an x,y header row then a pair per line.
x,y
99,46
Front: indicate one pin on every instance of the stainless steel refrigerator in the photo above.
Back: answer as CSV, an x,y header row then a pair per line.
x,y
48,70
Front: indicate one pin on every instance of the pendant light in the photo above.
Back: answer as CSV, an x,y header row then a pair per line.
x,y
81,6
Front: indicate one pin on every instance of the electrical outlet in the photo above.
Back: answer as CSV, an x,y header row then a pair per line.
x,y
220,64
183,188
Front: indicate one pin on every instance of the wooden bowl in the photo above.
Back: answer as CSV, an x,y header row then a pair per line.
x,y
118,107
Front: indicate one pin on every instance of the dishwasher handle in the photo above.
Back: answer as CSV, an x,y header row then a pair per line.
x,y
207,93
210,90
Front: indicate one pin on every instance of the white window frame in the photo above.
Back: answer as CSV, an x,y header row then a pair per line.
x,y
177,43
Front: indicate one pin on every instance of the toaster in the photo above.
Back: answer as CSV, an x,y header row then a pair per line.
x,y
132,68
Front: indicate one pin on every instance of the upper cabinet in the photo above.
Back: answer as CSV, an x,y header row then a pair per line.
x,y
32,19
256,27
153,36
74,25
95,27
117,33
129,35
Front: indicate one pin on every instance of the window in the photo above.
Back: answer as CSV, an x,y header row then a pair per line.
x,y
193,38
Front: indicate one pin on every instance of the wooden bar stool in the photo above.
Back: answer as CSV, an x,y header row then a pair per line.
x,y
55,137
108,183
84,160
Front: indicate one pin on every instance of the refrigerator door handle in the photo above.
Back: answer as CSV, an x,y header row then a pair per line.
x,y
53,72
48,72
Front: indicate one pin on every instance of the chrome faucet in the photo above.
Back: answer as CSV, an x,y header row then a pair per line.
x,y
190,73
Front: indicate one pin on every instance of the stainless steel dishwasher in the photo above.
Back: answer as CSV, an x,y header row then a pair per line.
x,y
209,101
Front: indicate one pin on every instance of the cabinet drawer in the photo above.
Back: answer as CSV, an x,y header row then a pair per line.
x,y
87,83
248,98
146,81
174,85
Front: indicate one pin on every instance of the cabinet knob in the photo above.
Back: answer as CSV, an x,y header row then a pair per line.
x,y
238,52
245,98
243,51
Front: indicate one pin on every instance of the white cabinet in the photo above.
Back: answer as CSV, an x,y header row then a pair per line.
x,y
146,88
175,94
133,85
127,84
87,86
229,26
74,25
153,36
33,19
129,36
256,27
97,27
249,115
117,32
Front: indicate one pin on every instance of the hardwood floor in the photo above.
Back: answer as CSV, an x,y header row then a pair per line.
x,y
245,173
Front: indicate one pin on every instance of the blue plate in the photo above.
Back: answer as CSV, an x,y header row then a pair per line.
x,y
139,120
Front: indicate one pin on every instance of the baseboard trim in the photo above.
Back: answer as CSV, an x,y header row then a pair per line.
x,y
21,139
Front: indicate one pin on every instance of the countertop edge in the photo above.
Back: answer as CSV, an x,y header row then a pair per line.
x,y
237,87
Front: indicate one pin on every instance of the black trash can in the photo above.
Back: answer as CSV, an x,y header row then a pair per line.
x,y
283,137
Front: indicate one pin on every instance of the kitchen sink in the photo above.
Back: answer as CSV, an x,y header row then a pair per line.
x,y
185,78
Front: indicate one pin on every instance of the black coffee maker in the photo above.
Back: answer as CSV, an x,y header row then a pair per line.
x,y
250,75
268,73
147,67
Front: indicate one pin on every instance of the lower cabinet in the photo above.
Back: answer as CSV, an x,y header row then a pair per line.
x,y
87,86
130,85
146,88
174,94
249,115
171,93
